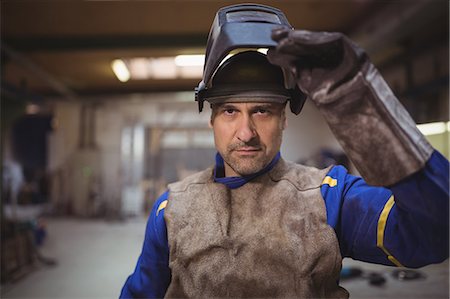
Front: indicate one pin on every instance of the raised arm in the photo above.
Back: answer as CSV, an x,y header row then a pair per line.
x,y
404,225
372,126
404,221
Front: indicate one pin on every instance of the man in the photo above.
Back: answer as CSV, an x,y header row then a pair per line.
x,y
255,225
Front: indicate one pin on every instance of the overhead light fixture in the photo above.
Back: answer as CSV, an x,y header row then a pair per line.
x,y
163,68
120,70
159,68
190,72
140,68
434,128
189,60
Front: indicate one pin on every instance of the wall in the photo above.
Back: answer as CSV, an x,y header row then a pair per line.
x,y
306,134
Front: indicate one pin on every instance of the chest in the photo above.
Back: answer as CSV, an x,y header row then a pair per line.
x,y
265,236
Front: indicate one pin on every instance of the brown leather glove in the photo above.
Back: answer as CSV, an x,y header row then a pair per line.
x,y
318,61
375,130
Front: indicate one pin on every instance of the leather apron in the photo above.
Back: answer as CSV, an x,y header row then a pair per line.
x,y
268,238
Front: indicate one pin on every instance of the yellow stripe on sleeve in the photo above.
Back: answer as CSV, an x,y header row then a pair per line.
x,y
329,181
382,227
161,206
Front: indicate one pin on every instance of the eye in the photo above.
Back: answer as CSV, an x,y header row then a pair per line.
x,y
229,111
262,111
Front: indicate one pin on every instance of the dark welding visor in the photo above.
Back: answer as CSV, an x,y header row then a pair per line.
x,y
242,26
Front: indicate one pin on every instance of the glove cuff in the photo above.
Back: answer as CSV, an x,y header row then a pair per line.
x,y
375,130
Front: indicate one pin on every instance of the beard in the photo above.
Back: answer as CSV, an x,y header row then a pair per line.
x,y
246,165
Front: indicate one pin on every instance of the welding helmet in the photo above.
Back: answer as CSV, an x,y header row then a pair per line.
x,y
248,75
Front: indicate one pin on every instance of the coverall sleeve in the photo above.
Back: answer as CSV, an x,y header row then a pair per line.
x,y
151,276
406,224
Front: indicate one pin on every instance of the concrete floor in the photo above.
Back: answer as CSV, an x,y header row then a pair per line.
x,y
434,285
95,258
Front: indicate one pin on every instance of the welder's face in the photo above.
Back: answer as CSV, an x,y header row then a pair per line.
x,y
247,135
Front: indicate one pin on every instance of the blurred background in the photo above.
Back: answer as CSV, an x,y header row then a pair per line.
x,y
98,115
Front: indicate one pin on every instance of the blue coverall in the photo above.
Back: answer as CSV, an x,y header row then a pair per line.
x,y
406,224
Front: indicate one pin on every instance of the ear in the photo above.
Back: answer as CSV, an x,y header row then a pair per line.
x,y
284,121
210,123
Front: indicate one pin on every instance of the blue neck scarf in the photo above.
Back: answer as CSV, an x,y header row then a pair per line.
x,y
234,182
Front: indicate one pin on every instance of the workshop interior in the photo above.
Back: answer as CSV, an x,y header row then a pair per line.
x,y
98,115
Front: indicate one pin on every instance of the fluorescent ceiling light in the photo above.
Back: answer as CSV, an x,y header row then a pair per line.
x,y
140,68
189,60
120,70
190,72
143,68
433,128
163,68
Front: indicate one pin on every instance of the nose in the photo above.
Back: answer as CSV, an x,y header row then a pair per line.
x,y
246,130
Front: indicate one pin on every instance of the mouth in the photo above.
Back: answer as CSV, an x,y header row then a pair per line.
x,y
248,150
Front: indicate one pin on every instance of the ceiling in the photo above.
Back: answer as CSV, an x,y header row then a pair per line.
x,y
65,48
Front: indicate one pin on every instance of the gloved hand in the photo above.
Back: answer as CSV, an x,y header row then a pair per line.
x,y
375,130
318,61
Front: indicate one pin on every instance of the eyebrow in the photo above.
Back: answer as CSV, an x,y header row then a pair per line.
x,y
227,106
264,106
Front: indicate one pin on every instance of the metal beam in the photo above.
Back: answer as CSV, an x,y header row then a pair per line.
x,y
395,22
52,82
71,43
